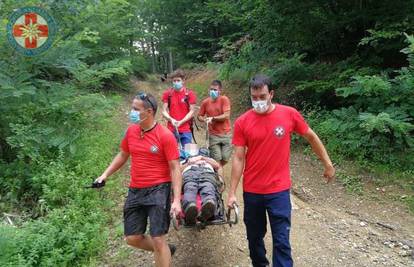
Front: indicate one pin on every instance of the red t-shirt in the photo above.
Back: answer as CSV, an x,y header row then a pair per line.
x,y
178,106
267,139
216,108
149,155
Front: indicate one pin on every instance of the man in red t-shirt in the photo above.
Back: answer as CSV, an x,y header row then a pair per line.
x,y
178,108
154,167
215,110
261,142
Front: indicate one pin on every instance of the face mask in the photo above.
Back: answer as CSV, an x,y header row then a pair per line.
x,y
191,149
214,94
177,85
260,106
134,116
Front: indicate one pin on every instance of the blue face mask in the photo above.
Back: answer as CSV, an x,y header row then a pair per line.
x,y
214,94
178,85
134,116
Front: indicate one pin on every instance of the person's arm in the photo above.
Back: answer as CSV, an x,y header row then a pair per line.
x,y
115,165
202,112
183,166
189,162
201,118
166,114
226,107
188,116
236,173
212,162
222,117
177,179
319,149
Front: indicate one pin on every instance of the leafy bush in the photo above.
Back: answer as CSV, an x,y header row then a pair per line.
x,y
192,66
240,67
73,223
57,131
378,125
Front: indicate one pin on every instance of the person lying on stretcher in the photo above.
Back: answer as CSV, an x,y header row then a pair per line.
x,y
201,175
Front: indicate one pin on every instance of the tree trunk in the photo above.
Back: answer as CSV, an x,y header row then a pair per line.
x,y
154,69
170,61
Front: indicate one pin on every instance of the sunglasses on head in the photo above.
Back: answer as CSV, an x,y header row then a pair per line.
x,y
144,97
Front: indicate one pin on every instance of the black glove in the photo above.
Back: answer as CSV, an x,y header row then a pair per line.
x,y
96,185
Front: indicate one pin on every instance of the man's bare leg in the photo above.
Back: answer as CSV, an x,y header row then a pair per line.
x,y
162,252
140,241
158,245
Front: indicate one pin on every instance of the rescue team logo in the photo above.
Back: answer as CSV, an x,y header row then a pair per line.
x,y
279,131
31,30
154,149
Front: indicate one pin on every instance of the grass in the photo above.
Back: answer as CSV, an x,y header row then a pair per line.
x,y
361,178
75,229
200,82
353,184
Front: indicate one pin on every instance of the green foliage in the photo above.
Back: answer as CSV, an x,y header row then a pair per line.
x,y
410,202
192,66
378,126
352,183
73,226
297,82
242,64
57,131
64,237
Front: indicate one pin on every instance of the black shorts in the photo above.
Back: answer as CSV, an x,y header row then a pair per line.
x,y
143,203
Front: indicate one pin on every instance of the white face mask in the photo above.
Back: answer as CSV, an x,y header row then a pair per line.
x,y
191,149
260,106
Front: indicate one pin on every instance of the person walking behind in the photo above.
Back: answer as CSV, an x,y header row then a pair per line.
x,y
261,142
178,108
155,168
215,110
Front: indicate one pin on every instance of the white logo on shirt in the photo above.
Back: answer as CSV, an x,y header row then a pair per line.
x,y
279,131
154,149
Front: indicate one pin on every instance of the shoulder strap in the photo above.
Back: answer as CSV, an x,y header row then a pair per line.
x,y
169,97
187,98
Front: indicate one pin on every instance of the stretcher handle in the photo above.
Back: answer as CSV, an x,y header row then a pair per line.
x,y
207,135
178,136
235,220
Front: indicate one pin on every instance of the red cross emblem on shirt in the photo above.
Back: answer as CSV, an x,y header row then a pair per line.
x,y
31,30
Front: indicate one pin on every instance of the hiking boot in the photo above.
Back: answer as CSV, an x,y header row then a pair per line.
x,y
190,214
173,248
207,210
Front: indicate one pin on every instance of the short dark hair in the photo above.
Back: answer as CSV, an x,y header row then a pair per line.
x,y
260,80
179,73
217,83
148,100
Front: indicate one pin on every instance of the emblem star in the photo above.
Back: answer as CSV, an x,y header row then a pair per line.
x,y
31,31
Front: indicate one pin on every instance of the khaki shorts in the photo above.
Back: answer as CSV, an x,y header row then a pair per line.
x,y
220,147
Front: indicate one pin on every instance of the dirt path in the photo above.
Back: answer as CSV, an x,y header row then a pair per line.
x,y
329,227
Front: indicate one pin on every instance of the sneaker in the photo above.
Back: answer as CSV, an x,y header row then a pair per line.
x,y
190,214
207,210
173,248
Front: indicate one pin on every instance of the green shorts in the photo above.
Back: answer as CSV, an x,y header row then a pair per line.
x,y
220,147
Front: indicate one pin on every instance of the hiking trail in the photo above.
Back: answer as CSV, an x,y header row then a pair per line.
x,y
329,226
